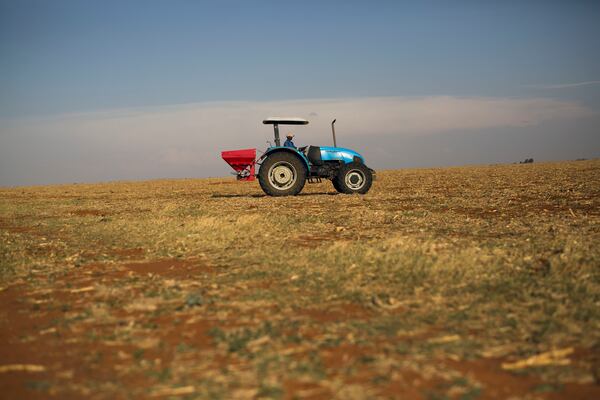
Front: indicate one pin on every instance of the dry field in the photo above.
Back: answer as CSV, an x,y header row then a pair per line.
x,y
456,283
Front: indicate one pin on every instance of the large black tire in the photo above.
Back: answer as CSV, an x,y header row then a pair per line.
x,y
336,186
354,177
282,174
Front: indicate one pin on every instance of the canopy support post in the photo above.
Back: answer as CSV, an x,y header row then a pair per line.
x,y
276,130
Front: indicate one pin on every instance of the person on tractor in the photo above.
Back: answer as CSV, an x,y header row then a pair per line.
x,y
288,142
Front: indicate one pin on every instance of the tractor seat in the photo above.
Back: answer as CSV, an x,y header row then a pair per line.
x,y
314,155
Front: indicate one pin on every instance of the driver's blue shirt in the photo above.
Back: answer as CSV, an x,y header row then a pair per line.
x,y
289,143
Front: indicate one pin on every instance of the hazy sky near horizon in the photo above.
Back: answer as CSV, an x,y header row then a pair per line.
x,y
112,90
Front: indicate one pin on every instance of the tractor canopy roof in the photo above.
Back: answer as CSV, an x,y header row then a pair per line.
x,y
285,121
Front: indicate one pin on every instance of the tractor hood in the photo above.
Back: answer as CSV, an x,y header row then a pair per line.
x,y
339,153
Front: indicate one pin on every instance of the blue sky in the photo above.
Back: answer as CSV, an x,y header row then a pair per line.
x,y
64,56
61,57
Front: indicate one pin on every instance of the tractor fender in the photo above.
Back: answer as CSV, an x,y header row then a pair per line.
x,y
273,150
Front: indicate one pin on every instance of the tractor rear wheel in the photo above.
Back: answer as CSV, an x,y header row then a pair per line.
x,y
282,174
354,177
336,186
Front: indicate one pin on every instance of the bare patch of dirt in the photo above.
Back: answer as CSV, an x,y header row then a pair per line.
x,y
7,225
170,268
404,385
343,356
95,272
89,213
295,389
20,229
337,313
134,253
313,241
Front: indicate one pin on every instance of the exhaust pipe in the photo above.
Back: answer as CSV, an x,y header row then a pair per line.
x,y
333,132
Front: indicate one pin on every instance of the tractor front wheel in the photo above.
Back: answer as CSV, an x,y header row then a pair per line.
x,y
282,174
354,177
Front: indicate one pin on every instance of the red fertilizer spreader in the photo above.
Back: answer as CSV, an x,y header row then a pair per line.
x,y
242,161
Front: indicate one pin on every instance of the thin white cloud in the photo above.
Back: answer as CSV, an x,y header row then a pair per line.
x,y
186,140
565,85
360,116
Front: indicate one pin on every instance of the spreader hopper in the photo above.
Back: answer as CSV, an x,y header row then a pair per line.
x,y
242,161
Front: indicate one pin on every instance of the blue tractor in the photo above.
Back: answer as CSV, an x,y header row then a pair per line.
x,y
283,171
